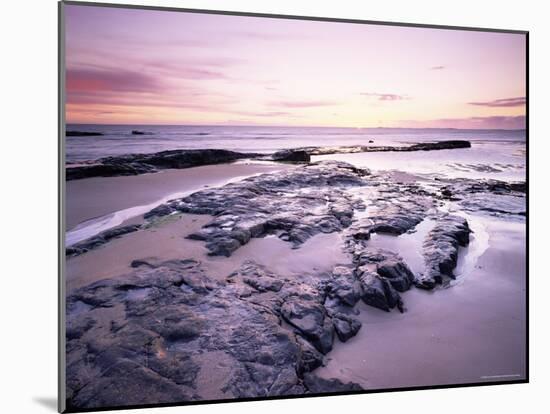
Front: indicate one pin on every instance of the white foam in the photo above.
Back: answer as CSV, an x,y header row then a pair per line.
x,y
479,243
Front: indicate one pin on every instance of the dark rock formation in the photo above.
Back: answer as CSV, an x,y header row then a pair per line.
x,y
345,326
291,155
100,239
82,134
148,337
106,170
318,385
441,249
311,320
490,196
343,286
137,132
397,273
382,275
257,277
295,205
424,146
134,164
439,145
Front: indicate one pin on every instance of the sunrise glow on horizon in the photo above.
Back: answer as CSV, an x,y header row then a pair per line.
x,y
131,66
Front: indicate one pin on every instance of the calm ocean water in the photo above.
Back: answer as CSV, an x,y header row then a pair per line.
x,y
496,154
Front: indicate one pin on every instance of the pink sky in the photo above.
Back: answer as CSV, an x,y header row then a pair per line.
x,y
129,66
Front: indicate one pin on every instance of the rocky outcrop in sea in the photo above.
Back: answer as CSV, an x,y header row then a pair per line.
x,y
135,164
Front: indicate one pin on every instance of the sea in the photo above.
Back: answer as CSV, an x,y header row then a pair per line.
x,y
495,154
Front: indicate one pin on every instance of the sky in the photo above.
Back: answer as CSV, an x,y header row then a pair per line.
x,y
131,66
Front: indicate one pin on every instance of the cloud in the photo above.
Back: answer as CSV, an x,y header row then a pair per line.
x,y
266,114
127,100
120,80
501,103
99,85
386,96
302,104
185,71
440,67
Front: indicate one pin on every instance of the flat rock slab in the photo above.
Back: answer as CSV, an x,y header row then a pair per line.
x,y
143,338
295,205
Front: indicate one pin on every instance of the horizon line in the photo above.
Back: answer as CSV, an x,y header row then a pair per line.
x,y
295,126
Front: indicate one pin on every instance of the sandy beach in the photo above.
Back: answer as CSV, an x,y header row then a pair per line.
x,y
473,331
321,256
97,196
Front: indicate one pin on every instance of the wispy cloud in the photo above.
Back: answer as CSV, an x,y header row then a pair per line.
x,y
185,71
97,80
385,96
262,35
266,114
440,67
499,103
301,104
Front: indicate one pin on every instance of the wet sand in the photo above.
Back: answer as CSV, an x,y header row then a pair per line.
x,y
94,197
166,241
473,331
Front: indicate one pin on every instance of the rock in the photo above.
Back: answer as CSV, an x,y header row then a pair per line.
x,y
139,262
296,205
128,383
396,219
382,274
343,286
100,239
222,246
379,292
439,145
158,327
318,385
263,284
82,133
106,170
290,155
424,146
137,132
257,277
498,198
310,358
440,249
176,324
75,329
133,164
426,283
398,274
345,326
311,320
